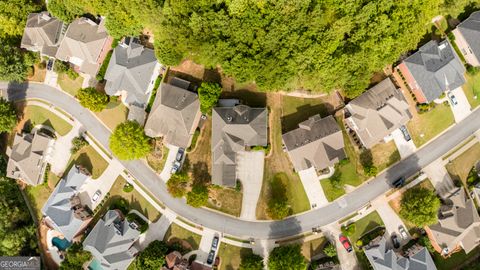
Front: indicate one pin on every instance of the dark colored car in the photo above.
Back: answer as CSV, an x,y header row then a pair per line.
x,y
180,153
50,64
406,135
215,243
399,182
395,241
211,256
345,243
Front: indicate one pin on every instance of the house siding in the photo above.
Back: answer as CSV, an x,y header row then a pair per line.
x,y
465,49
412,84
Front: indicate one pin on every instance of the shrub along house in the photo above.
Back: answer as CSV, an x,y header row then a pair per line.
x,y
467,38
43,33
375,114
432,70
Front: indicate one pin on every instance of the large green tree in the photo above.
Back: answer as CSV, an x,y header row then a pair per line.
x,y
8,116
287,257
177,184
92,99
129,142
208,93
251,262
420,206
13,16
198,196
75,257
14,64
152,257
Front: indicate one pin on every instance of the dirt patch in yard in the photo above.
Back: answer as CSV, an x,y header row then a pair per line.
x,y
158,156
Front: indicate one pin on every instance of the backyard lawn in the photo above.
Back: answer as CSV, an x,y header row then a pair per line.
x,y
457,260
90,160
425,126
461,165
472,89
231,256
68,85
314,247
189,239
40,116
114,114
38,195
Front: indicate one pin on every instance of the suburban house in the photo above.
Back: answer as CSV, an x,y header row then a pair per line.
x,y
112,241
175,113
85,45
317,142
432,70
28,157
43,33
64,211
458,224
233,129
467,38
383,258
131,73
376,113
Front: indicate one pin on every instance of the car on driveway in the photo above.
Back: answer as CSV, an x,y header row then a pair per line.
x,y
405,133
96,195
50,64
175,167
180,153
395,241
403,232
452,98
345,243
211,256
215,243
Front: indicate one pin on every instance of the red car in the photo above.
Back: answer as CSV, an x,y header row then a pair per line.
x,y
346,244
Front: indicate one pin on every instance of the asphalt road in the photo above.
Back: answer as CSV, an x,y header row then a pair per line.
x,y
256,229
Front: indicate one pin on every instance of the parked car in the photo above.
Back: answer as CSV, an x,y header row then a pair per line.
x,y
96,195
50,64
395,241
180,153
215,243
399,182
452,98
211,256
403,232
406,135
175,167
345,242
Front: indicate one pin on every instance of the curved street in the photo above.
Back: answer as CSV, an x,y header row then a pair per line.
x,y
237,227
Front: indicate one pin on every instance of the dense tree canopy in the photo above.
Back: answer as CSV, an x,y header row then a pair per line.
x,y
14,64
208,94
92,99
198,196
13,16
129,142
177,184
8,116
75,257
153,257
251,262
420,206
287,257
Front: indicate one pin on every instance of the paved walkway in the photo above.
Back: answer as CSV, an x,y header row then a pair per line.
x,y
311,185
405,148
167,169
250,173
462,109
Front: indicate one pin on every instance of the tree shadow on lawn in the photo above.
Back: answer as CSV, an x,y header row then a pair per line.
x,y
291,121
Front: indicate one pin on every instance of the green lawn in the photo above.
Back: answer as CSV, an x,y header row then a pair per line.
x,y
296,110
461,165
366,224
38,195
472,88
457,260
231,256
313,247
189,239
430,124
90,160
68,85
332,193
40,116
114,114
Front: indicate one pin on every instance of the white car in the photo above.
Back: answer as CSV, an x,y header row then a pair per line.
x,y
96,195
453,99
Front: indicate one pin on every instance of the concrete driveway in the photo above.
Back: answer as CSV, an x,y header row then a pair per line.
x,y
61,155
250,173
172,153
206,245
51,78
439,177
405,148
348,260
462,109
311,185
391,220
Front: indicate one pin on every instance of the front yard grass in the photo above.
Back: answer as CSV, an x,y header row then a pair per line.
x,y
231,256
68,85
366,224
90,159
384,154
188,239
226,200
430,124
41,116
158,156
114,114
312,248
461,165
472,89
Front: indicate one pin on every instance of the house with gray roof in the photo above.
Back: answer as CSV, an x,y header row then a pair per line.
x,y
43,33
432,70
467,38
233,129
377,113
458,225
175,113
85,45
381,257
112,241
317,142
131,72
64,211
28,157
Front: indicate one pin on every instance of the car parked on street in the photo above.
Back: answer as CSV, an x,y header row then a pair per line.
x,y
399,182
403,232
211,257
96,195
452,98
345,243
395,241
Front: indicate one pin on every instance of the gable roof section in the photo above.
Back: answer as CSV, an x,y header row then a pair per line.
x,y
470,29
316,142
175,115
27,157
111,241
42,33
436,67
377,113
131,68
58,207
233,128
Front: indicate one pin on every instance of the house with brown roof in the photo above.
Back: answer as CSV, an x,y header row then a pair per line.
x,y
28,157
175,113
43,33
85,45
458,225
234,129
377,113
432,70
467,38
317,142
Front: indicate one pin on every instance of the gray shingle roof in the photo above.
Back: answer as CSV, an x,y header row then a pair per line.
x,y
377,112
175,115
317,142
130,69
27,157
436,67
42,33
58,208
470,29
233,128
112,240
